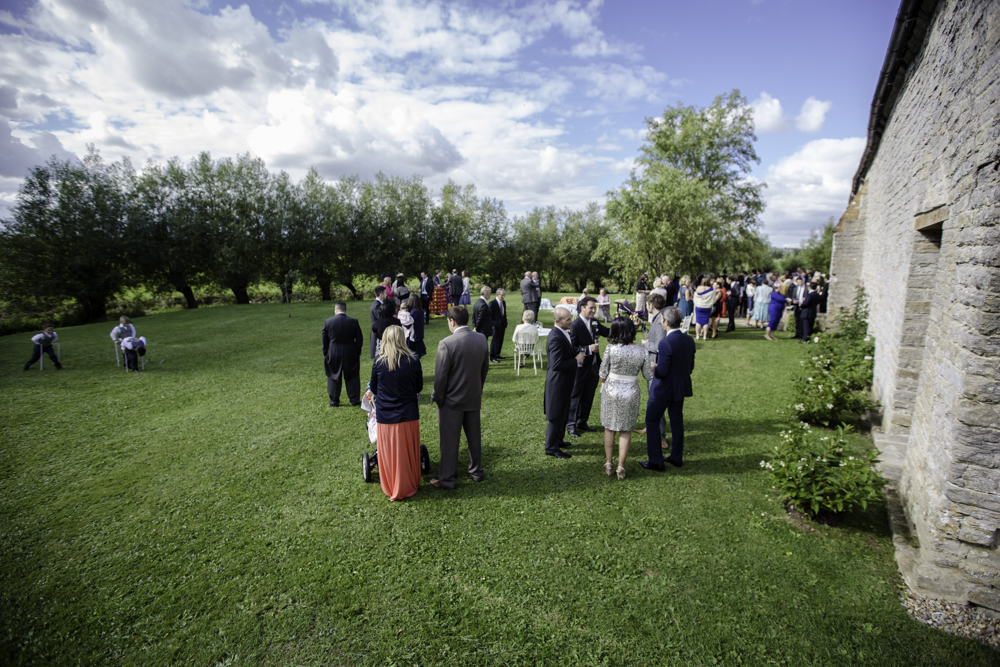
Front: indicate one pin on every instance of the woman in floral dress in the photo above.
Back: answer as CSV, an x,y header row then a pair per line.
x,y
623,362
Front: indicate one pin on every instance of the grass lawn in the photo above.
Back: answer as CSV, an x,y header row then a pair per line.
x,y
211,511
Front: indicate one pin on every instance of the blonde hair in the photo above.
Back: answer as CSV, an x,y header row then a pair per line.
x,y
393,347
528,317
657,282
686,281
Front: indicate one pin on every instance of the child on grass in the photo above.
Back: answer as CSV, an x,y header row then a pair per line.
x,y
133,349
124,329
43,343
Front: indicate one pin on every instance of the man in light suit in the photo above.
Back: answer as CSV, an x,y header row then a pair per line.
x,y
530,296
810,306
498,308
455,287
585,332
563,361
670,386
342,345
459,375
375,313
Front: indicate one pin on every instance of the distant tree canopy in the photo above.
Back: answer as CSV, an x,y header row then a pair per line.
x,y
816,251
689,206
87,231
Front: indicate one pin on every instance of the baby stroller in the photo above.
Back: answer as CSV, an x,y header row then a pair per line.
x,y
638,317
370,462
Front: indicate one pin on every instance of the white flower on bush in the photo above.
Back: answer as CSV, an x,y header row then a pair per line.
x,y
816,339
800,407
867,358
867,338
829,406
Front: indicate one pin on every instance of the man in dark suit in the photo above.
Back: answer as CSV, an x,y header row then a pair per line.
x,y
342,344
375,313
585,333
459,375
482,316
563,361
673,287
670,386
530,297
426,290
455,287
796,296
810,306
498,308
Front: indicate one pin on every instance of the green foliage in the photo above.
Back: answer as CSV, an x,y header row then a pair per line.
x,y
839,373
813,472
816,252
560,244
688,205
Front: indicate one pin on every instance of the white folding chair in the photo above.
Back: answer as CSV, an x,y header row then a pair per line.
x,y
117,360
41,359
525,344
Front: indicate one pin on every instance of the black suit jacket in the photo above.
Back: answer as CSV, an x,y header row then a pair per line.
x,y
482,317
374,313
455,282
342,345
583,336
499,315
674,364
560,375
810,305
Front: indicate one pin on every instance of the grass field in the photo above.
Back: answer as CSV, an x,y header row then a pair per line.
x,y
211,511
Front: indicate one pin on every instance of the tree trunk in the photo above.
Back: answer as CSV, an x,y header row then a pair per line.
x,y
241,295
324,288
94,308
188,293
354,292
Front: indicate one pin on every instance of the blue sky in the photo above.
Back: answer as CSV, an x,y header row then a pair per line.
x,y
536,103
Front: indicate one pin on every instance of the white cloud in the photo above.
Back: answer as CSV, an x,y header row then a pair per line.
x,y
768,115
806,188
813,113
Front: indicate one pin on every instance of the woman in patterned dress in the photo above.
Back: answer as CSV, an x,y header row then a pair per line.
x,y
623,362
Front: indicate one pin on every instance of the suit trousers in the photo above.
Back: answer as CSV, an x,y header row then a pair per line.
x,y
654,412
582,399
36,354
450,426
798,322
425,305
807,327
663,417
554,431
496,343
353,388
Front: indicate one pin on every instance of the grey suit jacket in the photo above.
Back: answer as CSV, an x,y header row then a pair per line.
x,y
656,334
528,293
463,359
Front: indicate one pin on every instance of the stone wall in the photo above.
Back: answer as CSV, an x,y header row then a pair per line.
x,y
929,224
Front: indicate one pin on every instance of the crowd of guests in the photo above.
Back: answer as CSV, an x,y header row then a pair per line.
x,y
575,372
765,300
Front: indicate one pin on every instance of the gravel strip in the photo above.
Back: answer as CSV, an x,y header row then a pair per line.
x,y
957,619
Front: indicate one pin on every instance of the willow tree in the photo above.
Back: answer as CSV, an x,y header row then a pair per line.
x,y
689,204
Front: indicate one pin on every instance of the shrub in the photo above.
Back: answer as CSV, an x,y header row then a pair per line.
x,y
813,474
839,375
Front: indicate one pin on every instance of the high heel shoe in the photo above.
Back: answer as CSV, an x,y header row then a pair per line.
x,y
610,468
620,471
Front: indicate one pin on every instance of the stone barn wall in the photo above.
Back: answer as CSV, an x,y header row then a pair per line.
x,y
923,236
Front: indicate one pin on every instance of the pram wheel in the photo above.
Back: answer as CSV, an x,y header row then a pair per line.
x,y
425,460
366,468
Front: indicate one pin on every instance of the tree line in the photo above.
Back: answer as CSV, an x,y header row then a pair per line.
x,y
88,230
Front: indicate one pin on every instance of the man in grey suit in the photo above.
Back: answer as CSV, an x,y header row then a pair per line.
x,y
530,295
375,312
459,375
655,305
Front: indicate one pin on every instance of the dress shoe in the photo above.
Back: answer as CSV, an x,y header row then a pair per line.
x,y
494,361
588,429
572,432
501,357
436,483
334,405
652,466
356,405
565,444
559,454
676,464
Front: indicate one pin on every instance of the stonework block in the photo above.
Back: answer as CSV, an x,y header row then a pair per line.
x,y
977,532
984,596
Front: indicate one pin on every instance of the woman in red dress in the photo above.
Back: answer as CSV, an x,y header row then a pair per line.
x,y
396,382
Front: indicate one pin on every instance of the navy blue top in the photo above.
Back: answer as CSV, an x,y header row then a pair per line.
x,y
418,324
396,391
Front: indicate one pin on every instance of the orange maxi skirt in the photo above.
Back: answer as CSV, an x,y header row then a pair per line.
x,y
399,458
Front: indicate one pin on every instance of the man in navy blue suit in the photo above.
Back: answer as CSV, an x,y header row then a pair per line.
x,y
670,386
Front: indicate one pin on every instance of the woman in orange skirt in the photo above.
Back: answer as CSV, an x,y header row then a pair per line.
x,y
397,379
